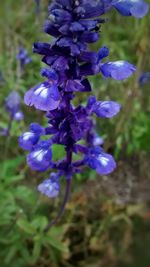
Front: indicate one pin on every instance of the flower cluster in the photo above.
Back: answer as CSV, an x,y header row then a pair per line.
x,y
74,25
13,100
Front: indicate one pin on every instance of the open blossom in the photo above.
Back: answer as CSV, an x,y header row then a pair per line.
x,y
44,96
136,8
50,187
74,25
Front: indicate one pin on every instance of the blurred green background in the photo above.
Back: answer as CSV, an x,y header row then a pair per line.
x,y
107,221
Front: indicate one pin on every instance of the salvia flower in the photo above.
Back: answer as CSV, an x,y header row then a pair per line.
x,y
73,24
100,161
136,8
40,156
23,57
44,96
50,187
12,105
144,78
118,70
31,138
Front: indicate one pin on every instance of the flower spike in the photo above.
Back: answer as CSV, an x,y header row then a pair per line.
x,y
73,24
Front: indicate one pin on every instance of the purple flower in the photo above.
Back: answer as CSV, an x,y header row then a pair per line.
x,y
44,96
106,109
12,105
118,70
50,187
97,141
39,159
50,74
136,8
18,116
102,53
23,57
31,138
100,161
93,139
144,78
73,24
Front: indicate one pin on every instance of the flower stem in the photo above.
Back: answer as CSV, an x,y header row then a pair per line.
x,y
60,213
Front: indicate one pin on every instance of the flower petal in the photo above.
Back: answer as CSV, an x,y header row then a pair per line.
x,y
50,187
100,161
28,139
40,158
105,164
136,8
44,97
106,109
118,70
18,116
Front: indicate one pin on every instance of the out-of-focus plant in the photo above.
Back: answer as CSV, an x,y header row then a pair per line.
x,y
144,78
13,100
38,3
23,58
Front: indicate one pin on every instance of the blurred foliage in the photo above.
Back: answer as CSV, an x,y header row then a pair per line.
x,y
106,222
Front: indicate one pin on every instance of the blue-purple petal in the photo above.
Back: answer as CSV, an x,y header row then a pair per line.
x,y
50,187
105,164
118,70
137,8
40,158
44,97
106,109
28,140
102,53
100,161
18,116
144,78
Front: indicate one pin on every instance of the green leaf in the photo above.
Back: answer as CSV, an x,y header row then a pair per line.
x,y
36,251
40,222
55,243
26,226
9,167
58,152
11,254
14,179
25,194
